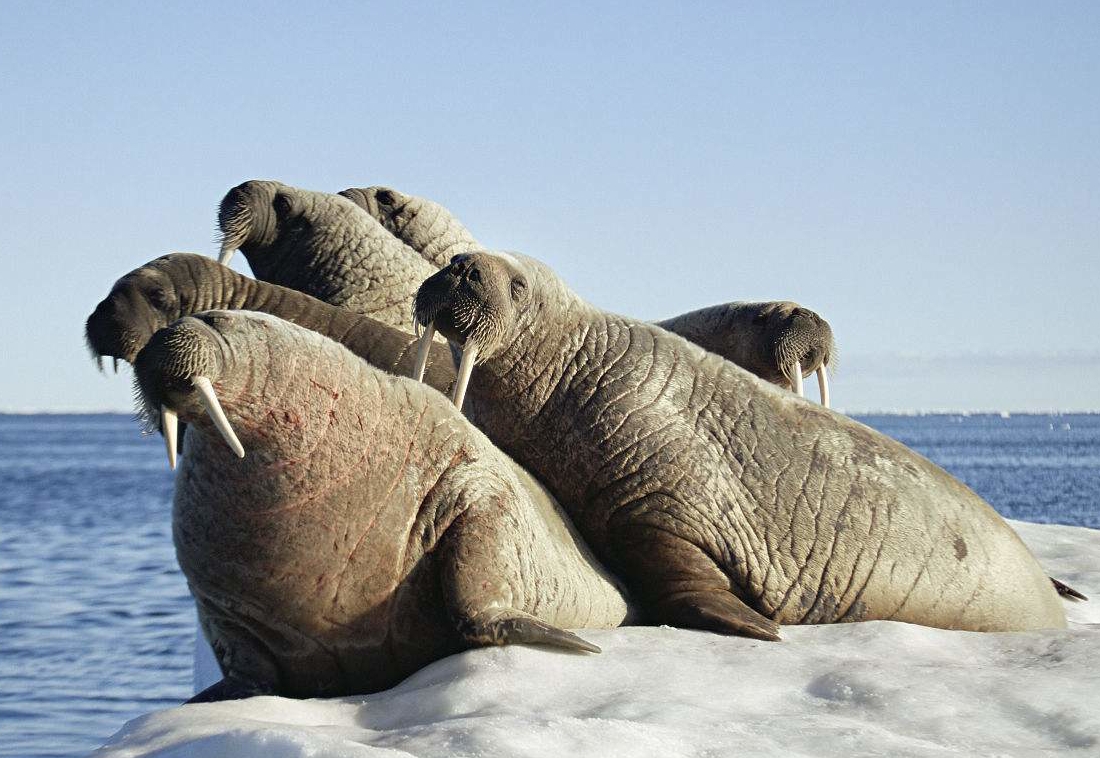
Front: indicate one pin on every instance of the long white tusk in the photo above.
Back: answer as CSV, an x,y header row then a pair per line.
x,y
796,371
225,254
465,367
169,427
217,415
422,349
116,364
823,384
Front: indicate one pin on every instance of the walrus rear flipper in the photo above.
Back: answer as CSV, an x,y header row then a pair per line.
x,y
514,627
716,611
1066,591
228,689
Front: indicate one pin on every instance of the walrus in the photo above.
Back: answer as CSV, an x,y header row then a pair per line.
x,y
356,527
780,341
723,502
180,284
323,245
424,225
171,287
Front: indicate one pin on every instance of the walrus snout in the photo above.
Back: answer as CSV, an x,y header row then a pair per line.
x,y
174,375
471,303
139,303
246,215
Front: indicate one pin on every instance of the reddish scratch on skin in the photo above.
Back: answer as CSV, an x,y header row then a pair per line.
x,y
352,470
335,393
385,498
284,417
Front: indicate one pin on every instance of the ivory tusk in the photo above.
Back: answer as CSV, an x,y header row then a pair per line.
x,y
225,254
423,347
823,384
169,427
217,415
796,378
465,367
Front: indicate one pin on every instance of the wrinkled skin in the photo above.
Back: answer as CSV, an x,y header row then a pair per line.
x,y
764,338
722,501
151,297
177,285
368,530
422,224
323,245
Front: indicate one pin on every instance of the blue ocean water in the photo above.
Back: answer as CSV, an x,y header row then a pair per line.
x,y
96,626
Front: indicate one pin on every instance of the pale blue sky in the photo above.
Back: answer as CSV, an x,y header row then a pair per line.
x,y
926,178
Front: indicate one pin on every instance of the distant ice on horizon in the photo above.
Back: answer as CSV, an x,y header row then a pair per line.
x,y
875,688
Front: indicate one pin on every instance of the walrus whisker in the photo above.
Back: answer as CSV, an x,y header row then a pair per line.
x,y
217,415
796,378
823,384
236,228
115,361
423,347
465,367
99,363
169,427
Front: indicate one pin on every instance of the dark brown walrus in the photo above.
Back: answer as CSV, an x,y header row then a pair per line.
x,y
725,503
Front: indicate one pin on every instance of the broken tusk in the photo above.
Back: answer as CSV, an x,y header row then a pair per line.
x,y
217,415
225,254
423,347
823,385
169,427
465,367
796,378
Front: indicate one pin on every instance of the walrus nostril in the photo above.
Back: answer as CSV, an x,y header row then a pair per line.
x,y
385,197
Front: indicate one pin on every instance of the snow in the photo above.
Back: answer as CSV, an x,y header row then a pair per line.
x,y
877,688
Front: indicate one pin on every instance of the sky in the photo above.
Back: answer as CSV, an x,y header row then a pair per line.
x,y
927,177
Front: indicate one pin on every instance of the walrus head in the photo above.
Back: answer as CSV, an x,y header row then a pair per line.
x,y
249,215
385,204
477,302
175,373
139,304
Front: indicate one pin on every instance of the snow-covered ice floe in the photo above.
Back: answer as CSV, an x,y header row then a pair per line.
x,y
876,688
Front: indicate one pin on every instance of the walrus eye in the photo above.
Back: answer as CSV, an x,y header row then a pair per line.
x,y
385,197
281,204
519,287
158,298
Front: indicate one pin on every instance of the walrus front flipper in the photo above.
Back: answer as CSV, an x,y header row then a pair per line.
x,y
1066,591
228,689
